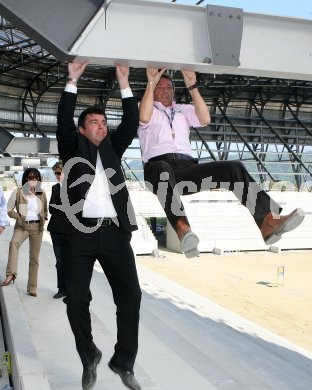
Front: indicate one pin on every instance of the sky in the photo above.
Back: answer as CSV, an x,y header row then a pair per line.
x,y
296,9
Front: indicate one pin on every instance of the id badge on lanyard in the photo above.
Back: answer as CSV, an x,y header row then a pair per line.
x,y
170,119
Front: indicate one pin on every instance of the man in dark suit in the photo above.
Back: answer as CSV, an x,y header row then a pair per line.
x,y
58,226
96,202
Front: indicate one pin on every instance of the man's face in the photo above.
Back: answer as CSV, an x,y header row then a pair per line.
x,y
95,128
164,92
59,174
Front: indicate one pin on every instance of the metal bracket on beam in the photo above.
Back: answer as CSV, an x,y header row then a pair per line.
x,y
225,30
44,145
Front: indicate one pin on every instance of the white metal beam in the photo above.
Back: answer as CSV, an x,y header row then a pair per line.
x,y
276,46
142,33
145,33
21,145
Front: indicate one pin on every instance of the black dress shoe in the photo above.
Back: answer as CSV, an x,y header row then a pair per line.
x,y
89,372
59,294
127,377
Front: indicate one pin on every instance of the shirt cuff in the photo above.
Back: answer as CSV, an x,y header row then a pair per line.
x,y
71,88
126,93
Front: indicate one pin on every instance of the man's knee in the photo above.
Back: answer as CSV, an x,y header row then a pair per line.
x,y
131,304
237,171
14,244
136,299
237,166
76,297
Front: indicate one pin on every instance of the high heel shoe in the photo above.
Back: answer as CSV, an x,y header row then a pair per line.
x,y
8,280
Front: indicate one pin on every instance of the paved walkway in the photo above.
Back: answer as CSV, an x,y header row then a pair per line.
x,y
186,341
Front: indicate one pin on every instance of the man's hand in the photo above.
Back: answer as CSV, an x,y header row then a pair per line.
x,y
75,70
2,229
154,75
201,109
189,77
122,73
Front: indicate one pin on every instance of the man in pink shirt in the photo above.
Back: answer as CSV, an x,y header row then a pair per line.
x,y
170,169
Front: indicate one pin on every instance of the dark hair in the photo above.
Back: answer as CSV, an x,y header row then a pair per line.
x,y
90,111
57,165
28,171
168,77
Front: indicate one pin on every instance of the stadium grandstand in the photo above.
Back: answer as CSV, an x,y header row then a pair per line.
x,y
257,84
266,122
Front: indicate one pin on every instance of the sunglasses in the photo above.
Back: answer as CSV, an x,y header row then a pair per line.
x,y
57,173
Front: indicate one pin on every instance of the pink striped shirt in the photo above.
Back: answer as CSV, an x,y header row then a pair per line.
x,y
167,131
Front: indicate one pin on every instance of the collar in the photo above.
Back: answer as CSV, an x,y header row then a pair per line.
x,y
162,107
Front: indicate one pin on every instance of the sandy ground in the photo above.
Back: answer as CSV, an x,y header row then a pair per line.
x,y
250,284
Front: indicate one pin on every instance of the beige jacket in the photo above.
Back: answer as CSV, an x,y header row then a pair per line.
x,y
18,201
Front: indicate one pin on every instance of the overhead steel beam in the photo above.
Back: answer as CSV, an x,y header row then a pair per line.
x,y
55,25
5,139
6,162
22,145
140,33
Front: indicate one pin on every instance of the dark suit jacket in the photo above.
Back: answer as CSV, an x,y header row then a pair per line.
x,y
72,144
58,222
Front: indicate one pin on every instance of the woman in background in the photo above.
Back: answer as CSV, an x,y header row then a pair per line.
x,y
28,206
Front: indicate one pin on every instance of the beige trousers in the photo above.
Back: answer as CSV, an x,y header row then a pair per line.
x,y
32,232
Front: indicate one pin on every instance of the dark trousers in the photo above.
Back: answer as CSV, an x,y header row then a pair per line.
x,y
170,178
110,245
57,241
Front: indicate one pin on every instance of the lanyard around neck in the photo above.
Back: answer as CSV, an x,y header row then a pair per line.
x,y
170,117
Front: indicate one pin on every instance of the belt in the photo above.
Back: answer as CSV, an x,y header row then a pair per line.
x,y
171,156
96,221
33,221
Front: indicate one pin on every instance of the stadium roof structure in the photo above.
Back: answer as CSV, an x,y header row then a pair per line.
x,y
263,120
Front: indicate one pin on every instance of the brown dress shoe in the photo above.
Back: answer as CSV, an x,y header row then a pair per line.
x,y
274,225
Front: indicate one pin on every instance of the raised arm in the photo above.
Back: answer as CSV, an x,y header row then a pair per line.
x,y
201,108
75,70
122,74
146,105
66,129
127,129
